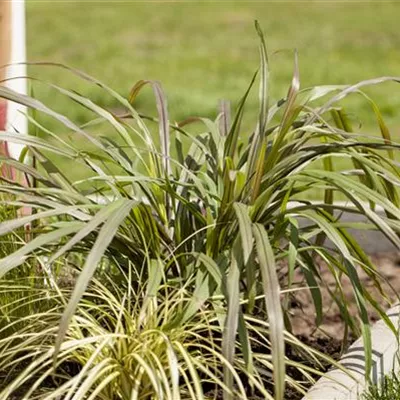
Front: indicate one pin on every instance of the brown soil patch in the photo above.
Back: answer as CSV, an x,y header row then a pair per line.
x,y
303,312
329,336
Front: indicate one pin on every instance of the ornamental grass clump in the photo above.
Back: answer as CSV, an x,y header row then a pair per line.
x,y
127,341
207,217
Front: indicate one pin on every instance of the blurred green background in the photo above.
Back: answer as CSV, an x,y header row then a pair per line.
x,y
204,51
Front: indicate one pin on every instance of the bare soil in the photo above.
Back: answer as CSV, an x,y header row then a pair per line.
x,y
329,336
303,313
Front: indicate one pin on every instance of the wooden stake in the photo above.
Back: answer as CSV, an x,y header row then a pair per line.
x,y
5,55
5,35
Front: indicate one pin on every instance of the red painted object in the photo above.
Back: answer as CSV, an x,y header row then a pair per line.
x,y
3,115
6,171
3,121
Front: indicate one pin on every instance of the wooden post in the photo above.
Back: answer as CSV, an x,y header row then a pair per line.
x,y
12,53
5,49
5,35
5,58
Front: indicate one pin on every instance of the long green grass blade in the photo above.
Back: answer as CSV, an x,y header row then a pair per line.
x,y
232,317
246,233
273,305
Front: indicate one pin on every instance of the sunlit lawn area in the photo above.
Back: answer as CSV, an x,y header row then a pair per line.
x,y
205,51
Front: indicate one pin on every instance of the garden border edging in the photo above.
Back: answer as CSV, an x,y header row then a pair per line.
x,y
337,385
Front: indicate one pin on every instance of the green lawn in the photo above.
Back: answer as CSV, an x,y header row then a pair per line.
x,y
204,51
